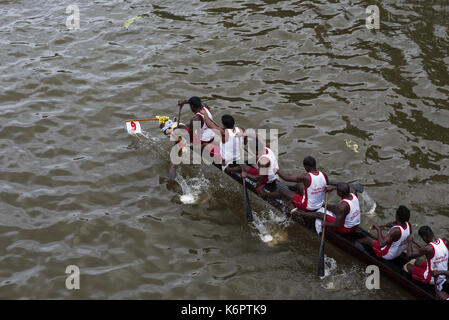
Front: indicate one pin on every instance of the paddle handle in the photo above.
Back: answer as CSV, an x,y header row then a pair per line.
x,y
248,210
172,166
141,120
324,218
320,268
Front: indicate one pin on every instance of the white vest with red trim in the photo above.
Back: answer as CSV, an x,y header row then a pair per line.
x,y
315,191
394,249
272,169
206,133
230,149
437,262
353,217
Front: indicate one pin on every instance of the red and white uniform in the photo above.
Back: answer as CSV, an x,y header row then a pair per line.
x,y
394,249
230,149
315,191
270,172
352,219
437,262
313,197
207,135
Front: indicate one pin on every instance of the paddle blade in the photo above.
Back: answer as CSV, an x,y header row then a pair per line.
x,y
248,210
320,268
172,171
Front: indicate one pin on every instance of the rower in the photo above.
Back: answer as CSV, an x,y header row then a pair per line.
x,y
267,166
201,113
231,145
344,217
208,126
436,253
441,295
394,243
310,187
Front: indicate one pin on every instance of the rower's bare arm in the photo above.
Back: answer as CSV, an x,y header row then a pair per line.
x,y
290,177
245,137
194,118
415,253
331,207
440,272
249,175
211,124
316,215
340,214
391,236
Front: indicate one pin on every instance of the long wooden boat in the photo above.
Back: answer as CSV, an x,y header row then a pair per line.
x,y
348,243
391,268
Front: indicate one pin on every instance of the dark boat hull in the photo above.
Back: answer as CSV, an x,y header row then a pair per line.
x,y
391,268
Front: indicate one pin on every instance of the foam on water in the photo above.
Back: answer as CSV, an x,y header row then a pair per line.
x,y
329,265
269,226
369,202
193,189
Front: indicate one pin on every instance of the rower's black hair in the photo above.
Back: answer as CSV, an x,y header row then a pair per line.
x,y
403,213
195,103
425,232
309,161
228,121
343,188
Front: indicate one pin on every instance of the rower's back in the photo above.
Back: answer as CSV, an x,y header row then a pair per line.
x,y
201,110
231,145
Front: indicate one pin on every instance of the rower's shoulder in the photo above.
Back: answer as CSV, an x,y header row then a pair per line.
x,y
446,242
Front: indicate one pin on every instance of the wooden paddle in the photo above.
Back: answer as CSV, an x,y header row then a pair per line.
x,y
141,120
320,269
172,166
248,210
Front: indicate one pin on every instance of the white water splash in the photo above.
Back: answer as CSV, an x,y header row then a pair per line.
x,y
268,226
370,203
193,189
329,265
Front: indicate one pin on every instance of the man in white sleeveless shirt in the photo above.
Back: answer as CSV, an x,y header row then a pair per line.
x,y
436,257
393,244
343,217
231,146
310,187
207,125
